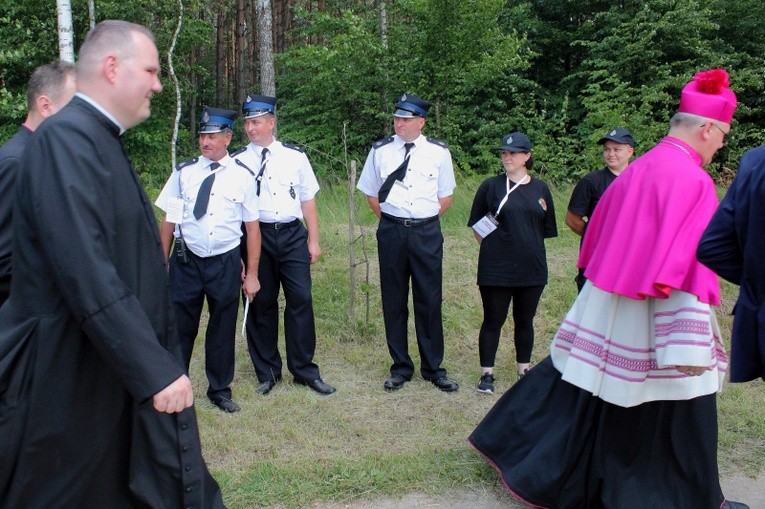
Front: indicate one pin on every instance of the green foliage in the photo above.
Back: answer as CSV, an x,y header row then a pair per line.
x,y
323,87
562,71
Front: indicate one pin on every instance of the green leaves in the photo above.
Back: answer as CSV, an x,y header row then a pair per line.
x,y
563,71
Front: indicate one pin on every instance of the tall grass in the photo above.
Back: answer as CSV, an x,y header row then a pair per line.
x,y
293,448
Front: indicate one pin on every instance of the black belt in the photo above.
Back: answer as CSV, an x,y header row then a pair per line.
x,y
409,222
280,226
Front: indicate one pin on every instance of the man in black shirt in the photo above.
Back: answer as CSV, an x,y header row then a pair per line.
x,y
618,149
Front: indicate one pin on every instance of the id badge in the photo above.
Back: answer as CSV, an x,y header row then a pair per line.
x,y
486,225
399,195
174,212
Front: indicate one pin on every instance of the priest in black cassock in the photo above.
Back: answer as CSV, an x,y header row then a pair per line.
x,y
95,408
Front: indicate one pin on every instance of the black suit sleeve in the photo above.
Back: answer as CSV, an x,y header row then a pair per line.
x,y
720,247
83,198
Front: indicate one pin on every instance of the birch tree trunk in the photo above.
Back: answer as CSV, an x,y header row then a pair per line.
x,y
175,82
65,30
92,13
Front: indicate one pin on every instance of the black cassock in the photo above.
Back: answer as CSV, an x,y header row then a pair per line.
x,y
87,336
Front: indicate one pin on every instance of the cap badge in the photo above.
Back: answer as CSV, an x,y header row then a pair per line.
x,y
509,140
205,117
249,99
403,98
612,133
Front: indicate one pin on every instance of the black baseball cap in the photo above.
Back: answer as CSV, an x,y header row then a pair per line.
x,y
618,135
516,142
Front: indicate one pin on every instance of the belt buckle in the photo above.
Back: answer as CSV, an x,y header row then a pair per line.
x,y
408,222
276,225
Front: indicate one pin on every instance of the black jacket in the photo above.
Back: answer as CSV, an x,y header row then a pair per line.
x,y
733,245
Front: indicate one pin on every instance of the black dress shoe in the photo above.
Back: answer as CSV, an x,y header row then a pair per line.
x,y
225,404
317,385
265,387
729,504
395,382
445,384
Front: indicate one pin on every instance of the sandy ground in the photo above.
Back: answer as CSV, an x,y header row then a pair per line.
x,y
737,487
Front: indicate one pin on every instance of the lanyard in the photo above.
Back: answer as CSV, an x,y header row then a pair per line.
x,y
509,190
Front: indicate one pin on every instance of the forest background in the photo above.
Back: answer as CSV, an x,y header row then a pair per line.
x,y
561,71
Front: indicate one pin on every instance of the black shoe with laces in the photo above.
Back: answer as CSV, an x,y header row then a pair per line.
x,y
486,384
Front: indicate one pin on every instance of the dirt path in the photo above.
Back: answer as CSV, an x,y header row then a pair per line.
x,y
737,487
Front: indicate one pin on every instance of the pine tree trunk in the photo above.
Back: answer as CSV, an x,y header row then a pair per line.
x,y
265,40
220,57
240,53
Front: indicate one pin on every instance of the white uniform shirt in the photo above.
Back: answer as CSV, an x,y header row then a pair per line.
x,y
429,176
232,201
288,181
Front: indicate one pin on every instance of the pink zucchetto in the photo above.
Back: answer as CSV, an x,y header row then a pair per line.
x,y
708,95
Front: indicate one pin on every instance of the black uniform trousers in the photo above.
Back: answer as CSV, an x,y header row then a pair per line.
x,y
217,278
412,250
285,262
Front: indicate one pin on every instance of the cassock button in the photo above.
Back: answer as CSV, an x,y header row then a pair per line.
x,y
188,490
185,448
187,469
184,426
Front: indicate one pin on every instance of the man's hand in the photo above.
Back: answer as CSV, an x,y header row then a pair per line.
x,y
691,370
250,286
175,397
314,250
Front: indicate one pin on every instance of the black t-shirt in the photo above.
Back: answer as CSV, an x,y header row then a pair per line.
x,y
588,192
514,254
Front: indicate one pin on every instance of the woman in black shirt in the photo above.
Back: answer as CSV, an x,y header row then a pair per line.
x,y
512,214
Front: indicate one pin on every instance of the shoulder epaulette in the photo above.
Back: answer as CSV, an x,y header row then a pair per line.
x,y
294,146
384,141
238,151
180,166
438,142
240,163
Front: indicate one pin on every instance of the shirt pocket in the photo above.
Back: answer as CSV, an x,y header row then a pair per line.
x,y
289,184
232,201
425,181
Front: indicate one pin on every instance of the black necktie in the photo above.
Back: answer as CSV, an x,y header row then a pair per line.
x,y
262,169
203,197
398,174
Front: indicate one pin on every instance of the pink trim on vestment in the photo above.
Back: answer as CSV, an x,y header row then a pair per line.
x,y
502,478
